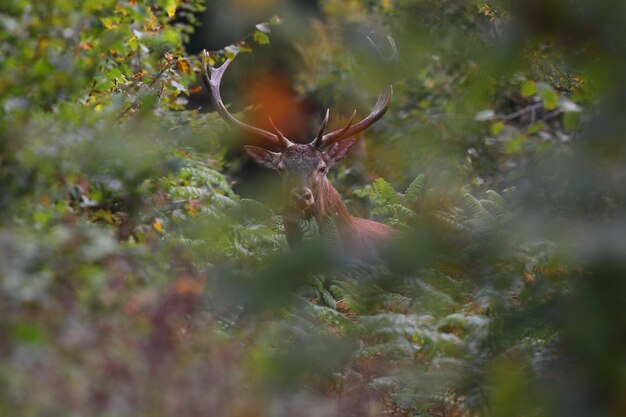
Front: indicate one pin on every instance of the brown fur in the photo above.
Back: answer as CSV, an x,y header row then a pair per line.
x,y
358,235
304,168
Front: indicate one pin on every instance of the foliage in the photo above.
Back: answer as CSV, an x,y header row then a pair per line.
x,y
136,279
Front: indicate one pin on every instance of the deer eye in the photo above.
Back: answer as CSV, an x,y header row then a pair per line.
x,y
322,169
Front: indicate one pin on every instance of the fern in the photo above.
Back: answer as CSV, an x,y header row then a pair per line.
x,y
449,221
384,193
397,211
207,177
394,207
223,201
308,229
476,208
188,192
496,198
492,207
330,234
331,316
415,190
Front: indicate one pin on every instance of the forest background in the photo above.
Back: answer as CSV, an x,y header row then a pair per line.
x,y
143,265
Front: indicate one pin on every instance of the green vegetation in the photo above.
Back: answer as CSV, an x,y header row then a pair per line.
x,y
138,277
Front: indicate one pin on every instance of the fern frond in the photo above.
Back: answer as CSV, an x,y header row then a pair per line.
x,y
415,190
496,198
384,192
492,207
187,192
477,210
330,234
208,177
308,229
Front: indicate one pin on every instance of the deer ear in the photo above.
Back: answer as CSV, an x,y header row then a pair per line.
x,y
337,151
263,157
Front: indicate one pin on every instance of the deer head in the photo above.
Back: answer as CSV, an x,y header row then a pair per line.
x,y
303,167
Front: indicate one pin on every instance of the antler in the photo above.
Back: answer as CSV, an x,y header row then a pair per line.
x,y
213,82
379,110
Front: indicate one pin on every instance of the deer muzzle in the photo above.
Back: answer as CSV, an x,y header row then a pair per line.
x,y
302,197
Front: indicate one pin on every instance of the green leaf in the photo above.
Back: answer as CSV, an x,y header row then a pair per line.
x,y
29,333
536,127
170,8
261,38
41,217
231,51
515,145
110,22
571,121
243,47
549,97
133,43
496,128
529,88
171,36
207,59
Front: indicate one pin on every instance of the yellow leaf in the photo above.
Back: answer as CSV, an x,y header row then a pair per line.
x,y
139,75
192,207
183,65
121,10
170,8
158,226
85,46
110,22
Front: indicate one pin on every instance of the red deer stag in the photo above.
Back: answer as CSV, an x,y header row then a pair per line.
x,y
303,167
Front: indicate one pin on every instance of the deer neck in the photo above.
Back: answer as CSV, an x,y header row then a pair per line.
x,y
328,203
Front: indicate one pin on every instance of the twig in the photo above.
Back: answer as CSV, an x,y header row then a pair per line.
x,y
529,109
552,114
135,103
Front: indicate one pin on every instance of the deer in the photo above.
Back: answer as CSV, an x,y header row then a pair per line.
x,y
307,191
